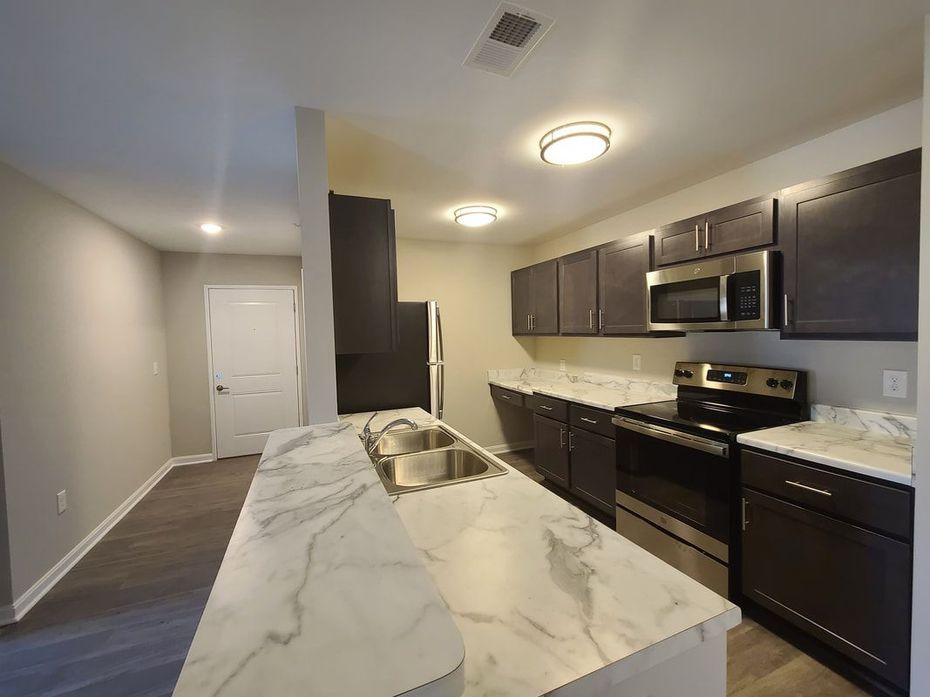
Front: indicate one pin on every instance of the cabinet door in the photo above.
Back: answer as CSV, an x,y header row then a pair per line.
x,y
846,586
621,274
578,293
850,249
546,298
740,227
680,241
594,468
364,274
521,299
551,449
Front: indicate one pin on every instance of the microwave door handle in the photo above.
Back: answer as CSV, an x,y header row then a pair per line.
x,y
724,291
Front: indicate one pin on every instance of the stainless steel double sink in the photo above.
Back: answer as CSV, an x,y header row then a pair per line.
x,y
429,457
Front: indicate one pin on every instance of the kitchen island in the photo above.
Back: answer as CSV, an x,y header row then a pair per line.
x,y
544,599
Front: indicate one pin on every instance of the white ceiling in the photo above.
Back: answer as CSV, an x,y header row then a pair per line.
x,y
160,115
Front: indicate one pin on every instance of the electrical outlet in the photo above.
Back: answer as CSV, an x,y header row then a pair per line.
x,y
155,368
637,362
894,383
562,365
62,501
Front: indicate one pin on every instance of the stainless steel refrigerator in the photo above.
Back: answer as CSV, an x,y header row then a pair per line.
x,y
411,376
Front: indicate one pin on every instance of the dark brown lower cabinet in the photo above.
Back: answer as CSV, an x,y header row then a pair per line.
x,y
551,449
594,468
843,584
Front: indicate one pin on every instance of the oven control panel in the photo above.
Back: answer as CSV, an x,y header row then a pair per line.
x,y
772,382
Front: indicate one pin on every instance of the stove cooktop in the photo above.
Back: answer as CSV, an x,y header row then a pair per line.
x,y
711,420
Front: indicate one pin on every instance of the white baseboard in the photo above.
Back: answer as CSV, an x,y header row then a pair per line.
x,y
509,447
191,459
24,603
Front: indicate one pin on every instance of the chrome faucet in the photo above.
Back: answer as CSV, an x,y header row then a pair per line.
x,y
366,429
370,444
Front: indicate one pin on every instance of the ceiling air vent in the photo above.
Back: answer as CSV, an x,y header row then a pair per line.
x,y
507,39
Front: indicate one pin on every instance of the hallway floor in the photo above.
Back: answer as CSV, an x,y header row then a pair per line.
x,y
120,623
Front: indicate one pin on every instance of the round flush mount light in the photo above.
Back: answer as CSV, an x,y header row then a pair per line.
x,y
574,143
211,228
475,216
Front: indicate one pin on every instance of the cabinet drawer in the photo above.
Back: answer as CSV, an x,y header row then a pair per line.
x,y
550,407
594,420
509,396
866,503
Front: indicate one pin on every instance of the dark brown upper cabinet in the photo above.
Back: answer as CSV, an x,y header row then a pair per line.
x,y
622,268
364,265
727,230
534,294
578,293
850,245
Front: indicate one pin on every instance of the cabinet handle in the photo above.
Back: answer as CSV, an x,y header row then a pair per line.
x,y
561,438
697,237
600,319
543,406
745,519
590,319
504,396
589,421
787,318
533,323
571,441
706,234
814,490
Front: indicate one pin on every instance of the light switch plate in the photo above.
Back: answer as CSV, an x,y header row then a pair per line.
x,y
894,383
562,365
155,368
637,362
62,501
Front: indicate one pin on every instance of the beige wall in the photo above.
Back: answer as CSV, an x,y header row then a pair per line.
x,y
80,406
844,373
472,284
183,278
6,573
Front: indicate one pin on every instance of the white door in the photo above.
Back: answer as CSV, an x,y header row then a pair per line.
x,y
253,343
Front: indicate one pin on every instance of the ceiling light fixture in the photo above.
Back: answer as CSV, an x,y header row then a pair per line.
x,y
574,143
475,216
211,228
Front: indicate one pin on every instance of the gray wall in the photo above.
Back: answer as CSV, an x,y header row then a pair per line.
x,y
80,406
183,278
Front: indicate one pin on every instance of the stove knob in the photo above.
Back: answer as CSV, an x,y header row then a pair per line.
x,y
772,382
688,373
679,373
787,384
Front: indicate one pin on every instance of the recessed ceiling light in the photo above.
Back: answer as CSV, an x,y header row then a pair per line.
x,y
475,216
211,228
574,143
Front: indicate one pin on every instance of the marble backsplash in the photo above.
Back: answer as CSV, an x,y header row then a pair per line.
x,y
897,425
548,375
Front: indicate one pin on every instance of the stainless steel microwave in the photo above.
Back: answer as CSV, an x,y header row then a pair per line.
x,y
729,293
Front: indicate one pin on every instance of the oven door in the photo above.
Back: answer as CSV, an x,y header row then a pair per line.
x,y
677,481
728,293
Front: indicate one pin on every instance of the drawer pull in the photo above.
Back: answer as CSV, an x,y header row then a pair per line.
x,y
543,406
504,396
822,492
589,421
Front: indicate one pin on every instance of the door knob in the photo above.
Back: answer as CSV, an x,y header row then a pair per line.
x,y
220,388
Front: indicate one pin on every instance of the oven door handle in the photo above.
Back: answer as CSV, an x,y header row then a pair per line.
x,y
694,442
724,293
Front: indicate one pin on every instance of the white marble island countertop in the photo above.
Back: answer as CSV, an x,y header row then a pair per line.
x,y
321,591
548,600
591,389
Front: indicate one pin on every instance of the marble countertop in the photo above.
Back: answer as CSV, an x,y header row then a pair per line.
x,y
321,591
591,389
865,452
546,597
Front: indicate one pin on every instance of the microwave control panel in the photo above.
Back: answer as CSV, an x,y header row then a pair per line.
x,y
745,301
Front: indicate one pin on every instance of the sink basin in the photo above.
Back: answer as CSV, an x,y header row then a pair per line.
x,y
426,470
401,442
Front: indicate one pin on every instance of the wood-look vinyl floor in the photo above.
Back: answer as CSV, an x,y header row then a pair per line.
x,y
120,623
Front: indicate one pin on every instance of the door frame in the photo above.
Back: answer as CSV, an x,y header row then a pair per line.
x,y
207,287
